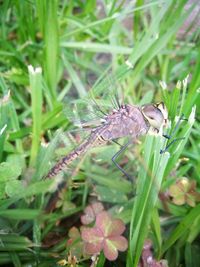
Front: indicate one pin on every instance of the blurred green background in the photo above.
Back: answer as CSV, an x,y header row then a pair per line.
x,y
52,53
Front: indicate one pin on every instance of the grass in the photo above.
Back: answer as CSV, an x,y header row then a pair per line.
x,y
55,57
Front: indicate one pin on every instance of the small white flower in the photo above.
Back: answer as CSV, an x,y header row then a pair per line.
x,y
3,129
178,85
163,85
185,81
129,64
34,71
192,116
44,144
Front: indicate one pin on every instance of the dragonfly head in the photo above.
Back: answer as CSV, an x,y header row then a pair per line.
x,y
155,114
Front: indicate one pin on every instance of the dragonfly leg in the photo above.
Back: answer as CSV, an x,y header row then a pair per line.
x,y
116,164
114,141
172,134
166,136
172,142
175,128
177,124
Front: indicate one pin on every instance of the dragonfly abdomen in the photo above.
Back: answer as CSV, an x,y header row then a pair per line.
x,y
65,161
94,139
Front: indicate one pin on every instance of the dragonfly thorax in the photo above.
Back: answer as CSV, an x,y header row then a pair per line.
x,y
126,121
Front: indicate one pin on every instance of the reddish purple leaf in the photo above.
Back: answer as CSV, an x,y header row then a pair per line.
x,y
89,216
92,249
117,227
105,235
119,242
90,212
97,207
109,250
104,222
91,235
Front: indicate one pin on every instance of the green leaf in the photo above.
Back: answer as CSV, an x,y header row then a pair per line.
x,y
110,195
8,171
20,214
14,187
14,242
35,77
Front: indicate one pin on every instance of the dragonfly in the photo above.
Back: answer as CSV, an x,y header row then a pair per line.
x,y
126,121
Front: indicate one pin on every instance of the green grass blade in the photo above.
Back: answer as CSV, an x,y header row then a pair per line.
x,y
75,78
51,45
36,98
178,146
98,47
20,214
149,183
184,225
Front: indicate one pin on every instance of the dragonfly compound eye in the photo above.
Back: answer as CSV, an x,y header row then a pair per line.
x,y
161,106
154,115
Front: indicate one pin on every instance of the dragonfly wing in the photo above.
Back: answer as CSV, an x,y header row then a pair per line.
x,y
102,98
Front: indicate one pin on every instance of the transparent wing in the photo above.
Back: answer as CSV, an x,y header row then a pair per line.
x,y
102,98
69,140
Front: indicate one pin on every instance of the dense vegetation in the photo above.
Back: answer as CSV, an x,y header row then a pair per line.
x,y
62,63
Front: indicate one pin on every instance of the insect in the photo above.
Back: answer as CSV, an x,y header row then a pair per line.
x,y
126,121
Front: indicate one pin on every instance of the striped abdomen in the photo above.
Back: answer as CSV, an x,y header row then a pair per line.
x,y
94,139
